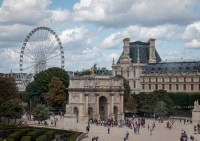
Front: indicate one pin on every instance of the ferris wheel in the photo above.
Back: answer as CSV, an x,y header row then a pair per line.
x,y
41,49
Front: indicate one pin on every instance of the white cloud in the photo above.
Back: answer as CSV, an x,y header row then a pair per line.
x,y
135,32
74,35
120,13
23,11
9,59
19,17
112,41
193,44
14,33
191,35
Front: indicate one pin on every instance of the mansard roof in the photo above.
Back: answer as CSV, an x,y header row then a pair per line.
x,y
173,67
143,48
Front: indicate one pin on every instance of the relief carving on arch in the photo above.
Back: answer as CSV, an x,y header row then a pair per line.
x,y
116,99
91,98
75,98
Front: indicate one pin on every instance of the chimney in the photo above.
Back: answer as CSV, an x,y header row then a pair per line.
x,y
152,51
126,46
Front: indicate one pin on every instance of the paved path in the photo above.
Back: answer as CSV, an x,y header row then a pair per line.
x,y
160,133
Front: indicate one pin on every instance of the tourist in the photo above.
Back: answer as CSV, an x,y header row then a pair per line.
x,y
127,134
151,130
108,130
195,128
183,136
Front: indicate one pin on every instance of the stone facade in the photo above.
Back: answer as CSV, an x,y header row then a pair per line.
x,y
142,66
96,98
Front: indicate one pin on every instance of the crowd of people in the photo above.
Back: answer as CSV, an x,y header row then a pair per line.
x,y
137,123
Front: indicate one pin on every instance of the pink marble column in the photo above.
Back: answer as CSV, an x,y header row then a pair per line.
x,y
112,103
122,102
97,104
86,104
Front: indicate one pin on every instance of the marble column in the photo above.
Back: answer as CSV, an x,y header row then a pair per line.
x,y
86,104
122,103
112,103
97,104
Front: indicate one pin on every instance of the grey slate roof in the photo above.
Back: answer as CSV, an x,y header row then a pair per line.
x,y
173,67
143,52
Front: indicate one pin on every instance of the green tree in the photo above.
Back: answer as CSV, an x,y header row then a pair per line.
x,y
56,94
8,89
11,109
161,109
131,105
25,97
129,101
180,98
39,86
150,101
127,88
41,113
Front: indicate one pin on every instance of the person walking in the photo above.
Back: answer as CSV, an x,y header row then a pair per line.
x,y
151,130
108,130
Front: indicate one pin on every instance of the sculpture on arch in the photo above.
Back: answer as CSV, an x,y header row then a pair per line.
x,y
69,110
196,104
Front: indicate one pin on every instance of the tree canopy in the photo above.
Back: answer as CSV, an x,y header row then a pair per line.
x,y
39,85
11,109
41,113
148,104
161,109
56,94
8,89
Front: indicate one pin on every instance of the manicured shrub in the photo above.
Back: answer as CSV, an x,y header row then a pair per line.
x,y
42,138
34,134
17,135
73,137
10,139
26,138
65,135
50,135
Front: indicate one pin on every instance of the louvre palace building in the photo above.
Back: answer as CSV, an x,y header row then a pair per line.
x,y
142,66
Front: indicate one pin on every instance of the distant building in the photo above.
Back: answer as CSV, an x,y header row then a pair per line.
x,y
142,66
17,78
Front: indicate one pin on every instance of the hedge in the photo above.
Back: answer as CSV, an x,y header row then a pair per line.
x,y
73,137
50,135
17,135
184,99
26,138
10,139
34,134
42,138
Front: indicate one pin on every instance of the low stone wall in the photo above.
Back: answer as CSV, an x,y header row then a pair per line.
x,y
83,135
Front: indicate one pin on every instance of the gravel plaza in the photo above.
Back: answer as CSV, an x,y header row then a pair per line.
x,y
160,132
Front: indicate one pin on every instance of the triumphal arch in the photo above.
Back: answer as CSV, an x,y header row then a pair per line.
x,y
97,97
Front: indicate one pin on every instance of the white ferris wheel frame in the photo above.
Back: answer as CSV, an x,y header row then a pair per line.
x,y
26,78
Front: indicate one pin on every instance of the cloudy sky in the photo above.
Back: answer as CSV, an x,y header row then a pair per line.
x,y
92,31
